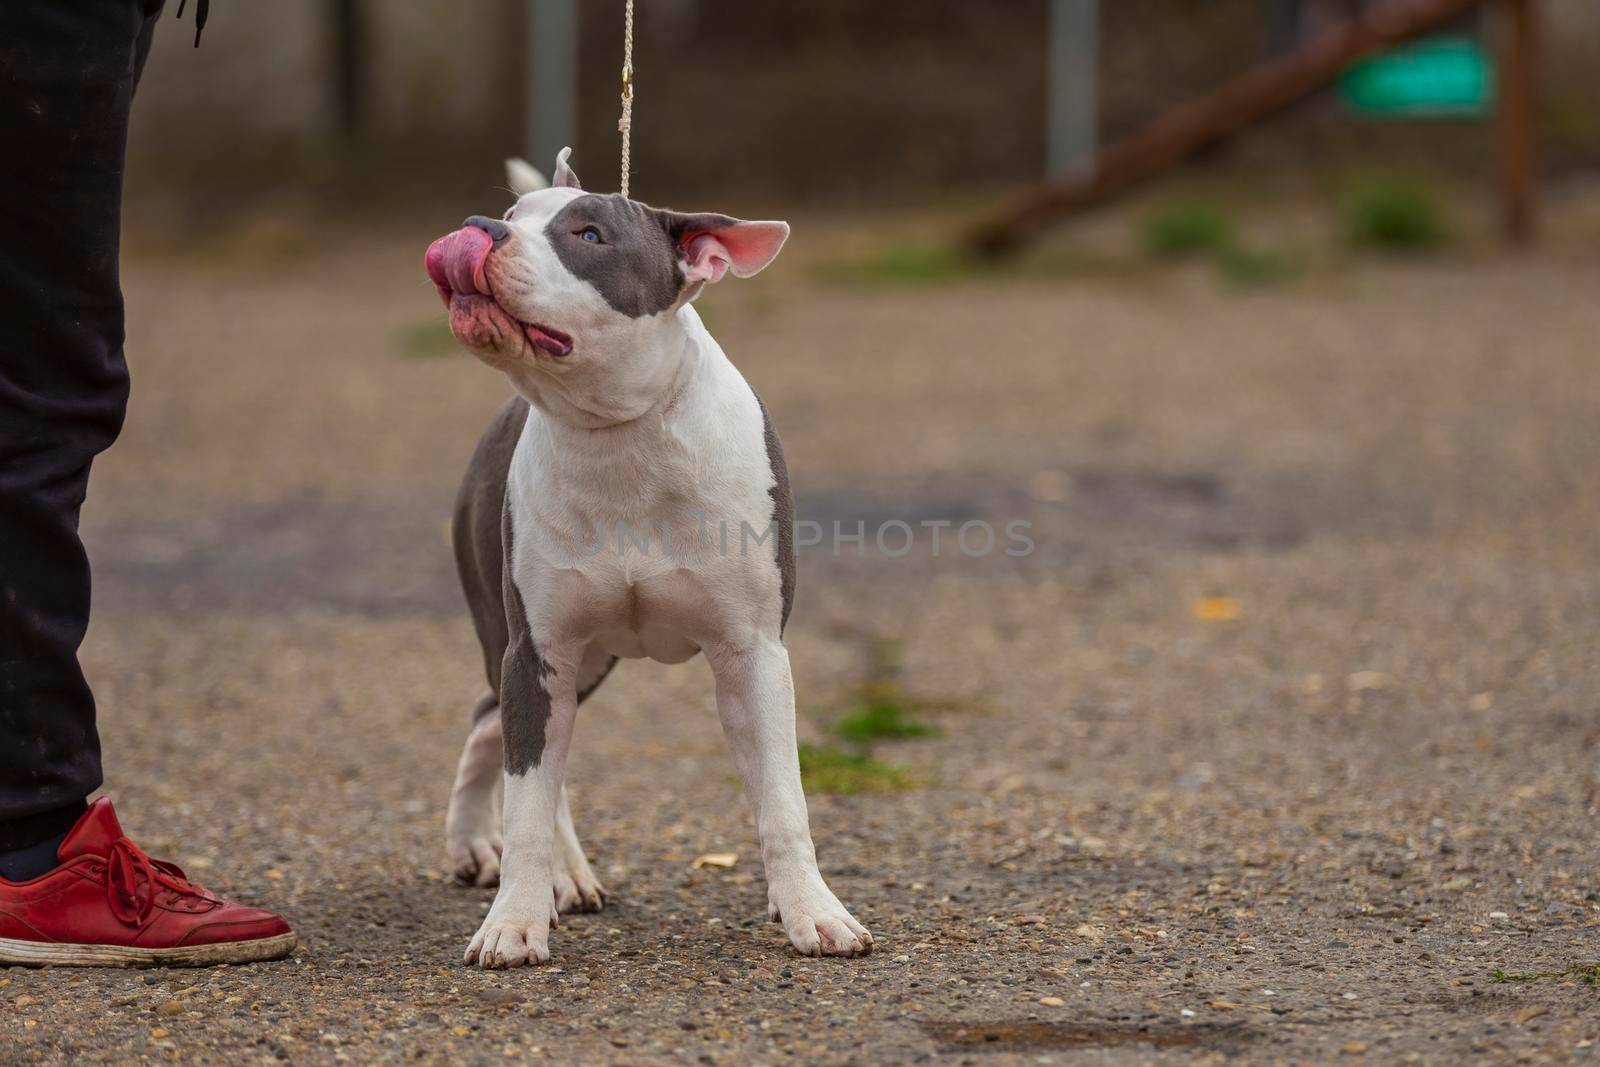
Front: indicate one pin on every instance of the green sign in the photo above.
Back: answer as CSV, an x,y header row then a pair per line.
x,y
1443,76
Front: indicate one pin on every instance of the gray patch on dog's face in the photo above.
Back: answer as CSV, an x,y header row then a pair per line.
x,y
634,264
524,700
782,513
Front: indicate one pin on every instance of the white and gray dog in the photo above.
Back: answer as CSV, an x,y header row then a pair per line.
x,y
607,514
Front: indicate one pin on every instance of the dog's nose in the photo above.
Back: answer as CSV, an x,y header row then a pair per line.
x,y
498,231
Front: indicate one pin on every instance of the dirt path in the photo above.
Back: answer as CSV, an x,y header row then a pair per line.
x,y
1279,744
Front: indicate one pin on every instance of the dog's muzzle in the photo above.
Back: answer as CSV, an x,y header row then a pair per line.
x,y
455,261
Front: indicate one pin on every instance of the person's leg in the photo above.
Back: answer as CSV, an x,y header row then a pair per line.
x,y
67,75
74,890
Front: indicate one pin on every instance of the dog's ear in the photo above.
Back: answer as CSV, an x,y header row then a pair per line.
x,y
524,177
565,177
711,245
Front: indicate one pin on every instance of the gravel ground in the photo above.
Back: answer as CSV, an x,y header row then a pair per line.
x,y
1282,741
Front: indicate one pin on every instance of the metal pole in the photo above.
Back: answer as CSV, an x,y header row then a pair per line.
x,y
1074,85
1517,120
552,79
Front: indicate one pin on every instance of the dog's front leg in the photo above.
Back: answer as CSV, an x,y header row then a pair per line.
x,y
538,703
755,700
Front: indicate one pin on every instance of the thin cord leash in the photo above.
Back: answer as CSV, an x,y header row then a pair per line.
x,y
625,123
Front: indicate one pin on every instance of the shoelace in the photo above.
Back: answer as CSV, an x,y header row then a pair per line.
x,y
134,881
202,8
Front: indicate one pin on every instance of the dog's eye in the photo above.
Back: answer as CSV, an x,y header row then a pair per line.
x,y
510,211
592,235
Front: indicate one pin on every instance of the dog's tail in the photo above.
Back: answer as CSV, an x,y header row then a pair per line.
x,y
525,177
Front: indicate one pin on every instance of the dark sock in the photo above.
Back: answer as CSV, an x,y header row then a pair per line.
x,y
28,845
26,864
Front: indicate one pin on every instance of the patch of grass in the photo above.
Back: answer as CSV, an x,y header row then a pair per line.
x,y
882,714
1256,268
1187,228
1587,973
827,770
426,340
879,708
1394,212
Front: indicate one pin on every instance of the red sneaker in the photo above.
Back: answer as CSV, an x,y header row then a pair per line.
x,y
110,905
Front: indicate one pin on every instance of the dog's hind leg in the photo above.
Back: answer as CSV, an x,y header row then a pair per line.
x,y
577,888
472,827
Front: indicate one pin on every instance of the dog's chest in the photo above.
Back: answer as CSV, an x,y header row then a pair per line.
x,y
653,548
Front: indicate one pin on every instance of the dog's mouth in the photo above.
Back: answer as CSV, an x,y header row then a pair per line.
x,y
456,265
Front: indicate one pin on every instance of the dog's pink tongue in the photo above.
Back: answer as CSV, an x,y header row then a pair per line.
x,y
455,262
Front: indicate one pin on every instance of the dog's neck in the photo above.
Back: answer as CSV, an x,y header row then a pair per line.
x,y
646,376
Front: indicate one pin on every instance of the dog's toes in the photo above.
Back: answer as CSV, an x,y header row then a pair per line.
x,y
580,893
497,947
566,894
488,869
475,861
827,936
475,947
818,925
838,939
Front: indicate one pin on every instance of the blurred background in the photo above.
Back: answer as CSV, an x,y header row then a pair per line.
x,y
1285,736
879,104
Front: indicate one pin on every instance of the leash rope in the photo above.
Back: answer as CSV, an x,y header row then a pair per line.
x,y
625,123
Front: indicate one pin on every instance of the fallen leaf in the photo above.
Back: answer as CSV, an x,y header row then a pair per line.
x,y
1051,1002
1224,1005
1533,1011
158,1033
1353,1048
1216,609
716,859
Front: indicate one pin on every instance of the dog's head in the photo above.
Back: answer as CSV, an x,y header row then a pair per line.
x,y
574,285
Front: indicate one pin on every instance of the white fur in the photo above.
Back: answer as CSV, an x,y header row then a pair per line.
x,y
648,426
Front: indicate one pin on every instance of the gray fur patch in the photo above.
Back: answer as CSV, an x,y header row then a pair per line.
x,y
475,532
782,513
524,698
634,265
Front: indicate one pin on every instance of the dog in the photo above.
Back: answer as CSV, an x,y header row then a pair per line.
x,y
626,419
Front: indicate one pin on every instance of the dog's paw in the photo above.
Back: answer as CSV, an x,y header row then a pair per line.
x,y
817,924
510,941
473,860
579,892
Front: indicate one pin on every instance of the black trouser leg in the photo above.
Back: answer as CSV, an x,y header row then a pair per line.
x,y
67,75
